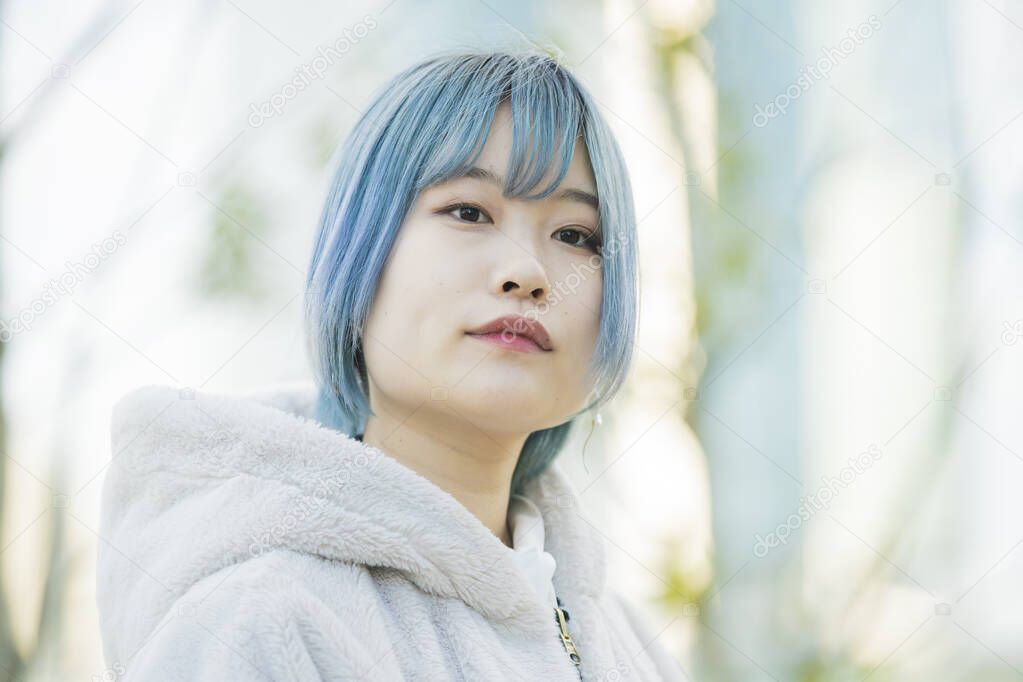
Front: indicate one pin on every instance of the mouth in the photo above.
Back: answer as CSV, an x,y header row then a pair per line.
x,y
515,332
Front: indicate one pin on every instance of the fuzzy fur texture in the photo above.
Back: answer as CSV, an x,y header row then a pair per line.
x,y
242,540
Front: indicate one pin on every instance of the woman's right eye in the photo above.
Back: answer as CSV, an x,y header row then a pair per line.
x,y
465,212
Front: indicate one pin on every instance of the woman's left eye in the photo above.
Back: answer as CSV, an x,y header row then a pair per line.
x,y
576,237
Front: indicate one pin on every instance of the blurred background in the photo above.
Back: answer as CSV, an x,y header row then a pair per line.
x,y
814,471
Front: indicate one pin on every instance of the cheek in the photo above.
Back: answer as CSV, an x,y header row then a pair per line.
x,y
428,262
578,299
407,319
596,300
585,312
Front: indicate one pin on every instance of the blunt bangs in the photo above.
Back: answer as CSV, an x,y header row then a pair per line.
x,y
429,124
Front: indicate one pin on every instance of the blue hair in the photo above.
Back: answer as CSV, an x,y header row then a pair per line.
x,y
428,125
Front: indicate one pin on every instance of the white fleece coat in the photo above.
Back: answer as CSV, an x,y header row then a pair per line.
x,y
242,540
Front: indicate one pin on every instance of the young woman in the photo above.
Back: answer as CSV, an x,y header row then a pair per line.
x,y
472,294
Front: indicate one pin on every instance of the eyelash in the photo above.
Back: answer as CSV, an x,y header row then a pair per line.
x,y
588,240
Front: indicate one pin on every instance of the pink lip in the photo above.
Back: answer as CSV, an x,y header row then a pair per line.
x,y
510,341
515,332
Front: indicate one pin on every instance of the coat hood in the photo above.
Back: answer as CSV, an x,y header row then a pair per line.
x,y
200,481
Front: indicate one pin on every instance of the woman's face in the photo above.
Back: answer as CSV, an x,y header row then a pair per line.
x,y
466,255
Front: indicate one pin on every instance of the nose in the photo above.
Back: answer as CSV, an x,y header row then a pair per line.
x,y
524,277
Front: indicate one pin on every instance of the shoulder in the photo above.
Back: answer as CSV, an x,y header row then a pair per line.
x,y
267,618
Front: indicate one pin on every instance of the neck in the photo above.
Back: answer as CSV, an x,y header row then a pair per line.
x,y
473,466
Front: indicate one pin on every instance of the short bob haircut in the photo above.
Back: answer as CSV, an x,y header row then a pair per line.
x,y
428,125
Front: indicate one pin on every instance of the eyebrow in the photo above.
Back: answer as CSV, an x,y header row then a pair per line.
x,y
568,194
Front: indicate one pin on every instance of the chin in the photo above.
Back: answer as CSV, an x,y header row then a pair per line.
x,y
503,410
